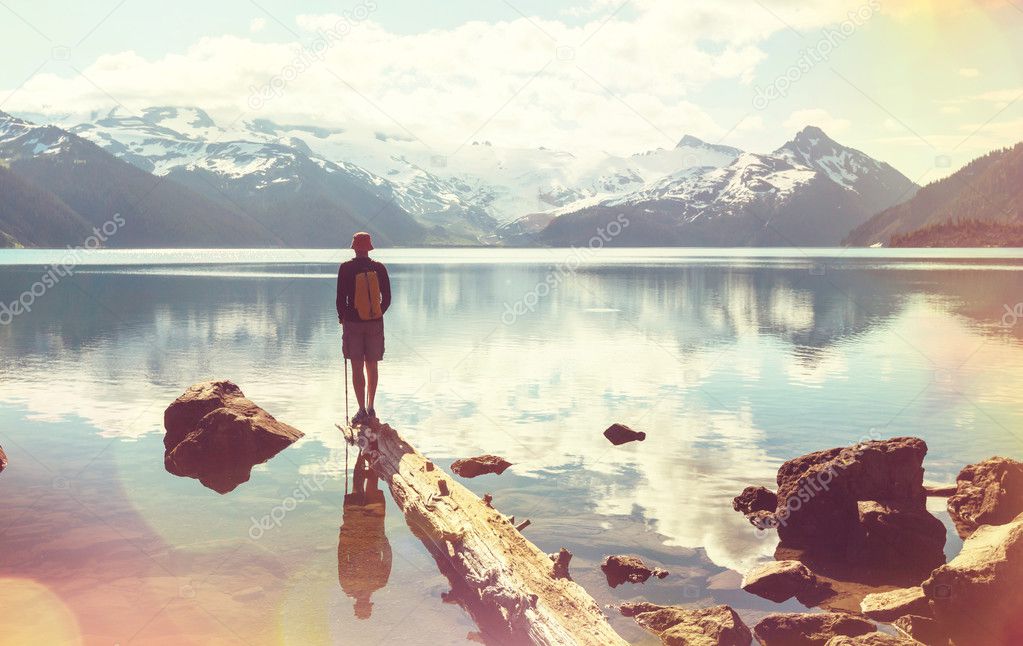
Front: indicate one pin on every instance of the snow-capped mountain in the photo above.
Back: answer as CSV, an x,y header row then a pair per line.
x,y
877,183
258,156
809,192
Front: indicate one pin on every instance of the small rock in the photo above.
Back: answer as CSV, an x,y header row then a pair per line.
x,y
987,493
923,629
805,629
619,434
620,569
779,580
871,639
714,626
753,499
480,465
3,459
978,590
889,606
561,561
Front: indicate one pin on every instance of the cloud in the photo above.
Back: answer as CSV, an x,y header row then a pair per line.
x,y
618,83
816,117
969,72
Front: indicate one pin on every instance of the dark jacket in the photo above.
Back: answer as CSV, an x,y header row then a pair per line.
x,y
346,286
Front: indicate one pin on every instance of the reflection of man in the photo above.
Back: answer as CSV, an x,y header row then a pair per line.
x,y
363,552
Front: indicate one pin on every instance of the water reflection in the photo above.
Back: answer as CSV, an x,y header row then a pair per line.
x,y
363,551
730,369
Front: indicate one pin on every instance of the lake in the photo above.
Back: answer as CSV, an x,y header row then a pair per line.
x,y
732,361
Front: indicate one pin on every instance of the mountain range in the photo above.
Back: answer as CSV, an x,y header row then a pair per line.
x,y
181,179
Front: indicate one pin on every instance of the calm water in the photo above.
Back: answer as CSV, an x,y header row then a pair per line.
x,y
731,363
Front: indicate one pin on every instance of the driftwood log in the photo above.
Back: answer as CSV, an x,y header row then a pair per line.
x,y
505,583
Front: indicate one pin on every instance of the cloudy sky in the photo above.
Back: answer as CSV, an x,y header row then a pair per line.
x,y
925,85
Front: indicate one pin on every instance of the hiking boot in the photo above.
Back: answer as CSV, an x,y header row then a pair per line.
x,y
361,417
373,415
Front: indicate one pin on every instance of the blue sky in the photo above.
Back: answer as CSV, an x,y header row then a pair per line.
x,y
924,85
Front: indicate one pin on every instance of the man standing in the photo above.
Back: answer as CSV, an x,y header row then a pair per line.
x,y
363,296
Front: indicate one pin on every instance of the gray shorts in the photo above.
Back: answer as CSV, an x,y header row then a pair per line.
x,y
363,340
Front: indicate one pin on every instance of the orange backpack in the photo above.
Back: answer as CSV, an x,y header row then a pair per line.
x,y
367,296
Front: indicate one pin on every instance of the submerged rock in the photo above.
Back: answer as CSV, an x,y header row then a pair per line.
x,y
3,459
987,493
975,597
754,499
805,629
216,435
889,606
633,608
619,434
480,465
779,580
620,569
678,626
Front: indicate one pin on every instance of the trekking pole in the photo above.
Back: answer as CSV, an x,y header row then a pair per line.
x,y
346,392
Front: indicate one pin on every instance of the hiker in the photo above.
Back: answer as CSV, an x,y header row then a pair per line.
x,y
363,296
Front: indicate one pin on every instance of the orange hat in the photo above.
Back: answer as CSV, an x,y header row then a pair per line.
x,y
362,242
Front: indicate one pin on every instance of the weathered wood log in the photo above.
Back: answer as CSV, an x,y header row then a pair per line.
x,y
502,580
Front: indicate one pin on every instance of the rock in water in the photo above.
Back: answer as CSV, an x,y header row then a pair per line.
x,y
198,400
804,629
3,459
819,505
480,465
619,434
216,435
987,493
754,499
678,626
976,596
620,569
779,580
889,606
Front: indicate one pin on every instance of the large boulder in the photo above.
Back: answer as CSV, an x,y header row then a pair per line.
x,y
480,465
228,435
678,626
779,580
889,606
620,569
808,629
976,597
3,459
818,492
754,499
987,493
